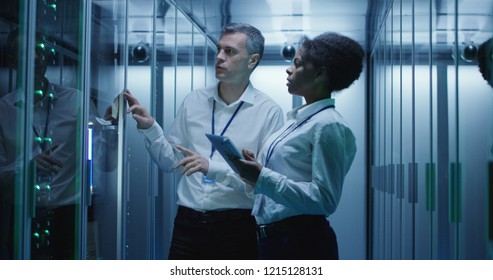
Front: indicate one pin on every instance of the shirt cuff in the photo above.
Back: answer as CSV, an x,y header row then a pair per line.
x,y
220,172
152,133
216,170
267,182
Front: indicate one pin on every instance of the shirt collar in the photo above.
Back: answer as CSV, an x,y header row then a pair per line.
x,y
248,95
20,98
300,113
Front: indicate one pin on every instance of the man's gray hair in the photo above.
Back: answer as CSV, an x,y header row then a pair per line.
x,y
255,40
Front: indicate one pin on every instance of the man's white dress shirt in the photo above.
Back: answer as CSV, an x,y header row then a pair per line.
x,y
257,119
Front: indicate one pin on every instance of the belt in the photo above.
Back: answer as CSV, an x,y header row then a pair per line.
x,y
214,216
291,224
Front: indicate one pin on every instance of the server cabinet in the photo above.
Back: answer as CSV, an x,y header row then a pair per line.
x,y
44,154
439,102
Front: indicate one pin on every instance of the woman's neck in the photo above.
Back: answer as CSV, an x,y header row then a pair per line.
x,y
309,99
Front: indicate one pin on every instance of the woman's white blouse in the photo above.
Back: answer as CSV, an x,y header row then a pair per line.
x,y
306,170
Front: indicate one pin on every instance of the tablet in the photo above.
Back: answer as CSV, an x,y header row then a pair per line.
x,y
226,148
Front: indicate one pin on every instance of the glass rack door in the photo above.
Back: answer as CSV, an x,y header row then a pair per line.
x,y
44,119
108,59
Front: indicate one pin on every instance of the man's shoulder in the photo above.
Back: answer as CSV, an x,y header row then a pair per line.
x,y
202,93
8,96
263,99
65,89
9,99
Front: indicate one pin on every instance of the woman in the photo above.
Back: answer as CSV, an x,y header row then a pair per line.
x,y
299,182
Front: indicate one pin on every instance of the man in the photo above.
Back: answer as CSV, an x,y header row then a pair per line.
x,y
213,220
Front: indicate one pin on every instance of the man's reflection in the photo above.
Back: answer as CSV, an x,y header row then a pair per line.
x,y
56,128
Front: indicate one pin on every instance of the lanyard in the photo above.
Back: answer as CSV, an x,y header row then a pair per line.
x,y
287,131
227,124
42,140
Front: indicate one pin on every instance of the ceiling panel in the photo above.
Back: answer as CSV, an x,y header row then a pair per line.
x,y
281,21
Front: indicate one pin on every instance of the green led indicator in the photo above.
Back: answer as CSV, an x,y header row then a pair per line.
x,y
37,187
53,6
36,235
38,139
47,139
48,187
50,95
38,92
47,232
41,45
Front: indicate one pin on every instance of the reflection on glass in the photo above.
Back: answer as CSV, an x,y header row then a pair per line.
x,y
40,218
54,147
107,50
